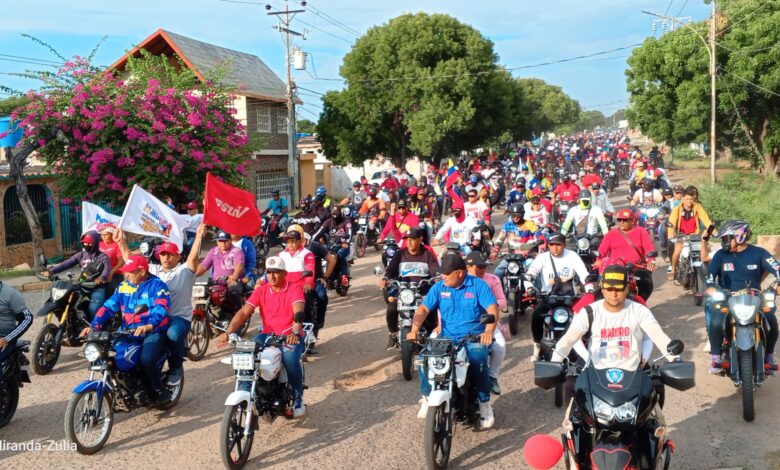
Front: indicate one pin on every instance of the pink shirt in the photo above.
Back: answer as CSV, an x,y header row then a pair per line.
x,y
276,306
495,287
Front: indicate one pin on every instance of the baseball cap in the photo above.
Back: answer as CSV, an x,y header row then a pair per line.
x,y
275,264
679,189
615,277
291,234
192,205
452,262
414,232
401,203
624,214
475,259
223,235
135,263
557,238
595,186
168,247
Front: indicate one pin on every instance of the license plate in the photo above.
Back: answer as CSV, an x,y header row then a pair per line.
x,y
362,222
199,291
696,246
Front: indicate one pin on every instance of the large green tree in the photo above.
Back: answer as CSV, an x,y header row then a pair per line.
x,y
541,107
420,84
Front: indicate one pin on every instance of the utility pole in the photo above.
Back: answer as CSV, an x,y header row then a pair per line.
x,y
293,165
711,49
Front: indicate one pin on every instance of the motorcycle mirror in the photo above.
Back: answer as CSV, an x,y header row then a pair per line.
x,y
652,254
140,308
487,319
378,271
675,347
298,317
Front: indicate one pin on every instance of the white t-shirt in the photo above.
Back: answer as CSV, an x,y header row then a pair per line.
x,y
475,210
567,266
648,198
460,232
193,221
616,337
179,280
539,217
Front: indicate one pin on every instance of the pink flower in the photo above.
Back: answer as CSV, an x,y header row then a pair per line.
x,y
120,124
158,126
193,119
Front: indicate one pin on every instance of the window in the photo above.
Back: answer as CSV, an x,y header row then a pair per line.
x,y
319,177
16,228
281,121
263,119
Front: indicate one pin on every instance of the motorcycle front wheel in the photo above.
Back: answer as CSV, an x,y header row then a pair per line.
x,y
46,349
748,385
9,400
361,243
438,437
198,338
406,353
234,446
512,310
82,424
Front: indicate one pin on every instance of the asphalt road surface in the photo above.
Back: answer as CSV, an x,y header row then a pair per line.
x,y
362,414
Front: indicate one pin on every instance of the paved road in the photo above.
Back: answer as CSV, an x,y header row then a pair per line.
x,y
361,412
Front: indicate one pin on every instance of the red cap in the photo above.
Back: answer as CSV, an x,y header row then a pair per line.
x,y
624,214
192,205
168,247
135,263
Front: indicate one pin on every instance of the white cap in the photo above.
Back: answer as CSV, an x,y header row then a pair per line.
x,y
275,263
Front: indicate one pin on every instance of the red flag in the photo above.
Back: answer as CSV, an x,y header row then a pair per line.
x,y
229,208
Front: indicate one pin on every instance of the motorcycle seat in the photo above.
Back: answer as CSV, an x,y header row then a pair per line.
x,y
23,345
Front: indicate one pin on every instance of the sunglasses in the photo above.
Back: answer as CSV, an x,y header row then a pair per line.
x,y
472,195
625,220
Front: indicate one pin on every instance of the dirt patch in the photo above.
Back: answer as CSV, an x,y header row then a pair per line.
x,y
366,377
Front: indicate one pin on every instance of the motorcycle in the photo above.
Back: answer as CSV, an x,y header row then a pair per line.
x,y
690,272
518,299
123,387
388,251
410,296
453,394
269,395
563,210
587,250
556,322
338,281
66,313
14,376
744,339
364,236
616,419
269,236
650,219
209,317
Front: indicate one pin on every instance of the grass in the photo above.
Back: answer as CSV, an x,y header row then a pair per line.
x,y
8,273
701,165
744,195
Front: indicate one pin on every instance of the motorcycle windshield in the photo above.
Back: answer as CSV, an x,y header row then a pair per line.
x,y
615,386
413,269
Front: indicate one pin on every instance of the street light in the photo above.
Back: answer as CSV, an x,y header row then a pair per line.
x,y
710,46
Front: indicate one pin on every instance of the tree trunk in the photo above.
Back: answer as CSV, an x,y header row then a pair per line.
x,y
770,157
17,161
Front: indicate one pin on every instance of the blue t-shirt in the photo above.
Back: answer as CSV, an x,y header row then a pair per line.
x,y
735,271
277,207
460,307
516,195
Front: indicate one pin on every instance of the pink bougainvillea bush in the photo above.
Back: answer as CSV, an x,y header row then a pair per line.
x,y
154,124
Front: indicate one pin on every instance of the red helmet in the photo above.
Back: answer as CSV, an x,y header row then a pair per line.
x,y
413,191
658,172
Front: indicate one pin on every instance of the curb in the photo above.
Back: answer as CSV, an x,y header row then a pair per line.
x,y
33,286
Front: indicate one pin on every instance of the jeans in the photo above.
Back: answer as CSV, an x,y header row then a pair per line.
x,y
178,328
479,372
96,299
644,283
537,321
717,324
500,270
342,263
291,358
151,352
391,314
7,352
317,317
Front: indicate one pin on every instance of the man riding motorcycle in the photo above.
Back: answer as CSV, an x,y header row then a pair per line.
x,y
419,206
536,212
399,223
688,218
460,229
601,200
338,229
225,260
517,194
519,233
15,320
321,203
356,197
278,208
632,245
585,218
307,217
374,207
567,192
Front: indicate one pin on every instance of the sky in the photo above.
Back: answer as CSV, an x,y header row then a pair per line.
x,y
524,34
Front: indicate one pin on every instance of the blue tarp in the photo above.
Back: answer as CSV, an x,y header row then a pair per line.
x,y
14,135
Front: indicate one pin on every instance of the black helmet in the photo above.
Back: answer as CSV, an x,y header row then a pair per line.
x,y
566,177
648,182
274,192
539,173
305,202
517,209
737,229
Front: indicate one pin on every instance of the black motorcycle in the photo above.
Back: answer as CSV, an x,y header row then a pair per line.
x,y
389,249
123,387
616,419
410,296
556,322
14,376
66,313
587,250
515,287
690,269
337,281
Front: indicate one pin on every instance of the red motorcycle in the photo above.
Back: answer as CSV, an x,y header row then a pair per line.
x,y
210,316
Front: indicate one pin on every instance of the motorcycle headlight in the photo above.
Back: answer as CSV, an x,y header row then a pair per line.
x,y
199,291
513,268
564,207
439,365
583,244
144,247
57,293
652,212
390,252
718,296
744,313
243,362
91,352
769,296
406,296
605,413
560,315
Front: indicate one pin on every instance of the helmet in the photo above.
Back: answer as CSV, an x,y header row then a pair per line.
x,y
739,230
516,209
413,191
585,199
473,179
668,192
566,178
539,173
520,181
524,167
274,192
648,182
356,184
372,191
305,202
658,172
346,212
320,191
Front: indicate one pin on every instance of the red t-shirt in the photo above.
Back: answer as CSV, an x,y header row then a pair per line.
x,y
591,178
688,225
567,191
276,306
112,250
615,246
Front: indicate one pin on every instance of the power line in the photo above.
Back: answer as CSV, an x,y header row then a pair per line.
x,y
31,58
323,31
28,62
668,7
310,112
682,8
311,91
329,18
749,82
746,16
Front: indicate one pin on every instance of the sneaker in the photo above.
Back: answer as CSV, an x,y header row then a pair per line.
x,y
164,396
174,376
299,408
392,341
495,389
770,366
423,412
344,280
715,367
535,356
486,418
706,347
312,350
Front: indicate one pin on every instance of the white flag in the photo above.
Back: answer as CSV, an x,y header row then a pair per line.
x,y
94,217
146,215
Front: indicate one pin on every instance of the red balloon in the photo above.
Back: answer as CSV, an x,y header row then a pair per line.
x,y
542,451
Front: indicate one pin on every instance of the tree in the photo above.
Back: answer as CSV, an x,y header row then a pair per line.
x,y
305,126
160,127
9,104
540,107
420,84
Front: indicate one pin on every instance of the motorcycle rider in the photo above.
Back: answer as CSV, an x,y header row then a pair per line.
x,y
688,218
227,261
90,253
307,217
374,207
539,180
517,194
321,203
278,301
735,266
461,299
461,230
356,197
557,270
179,278
585,218
15,320
601,200
520,235
338,230
399,223
638,175
250,259
141,288
301,267
419,206
647,195
476,266
278,208
536,212
108,245
567,191
473,184
415,252
631,244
